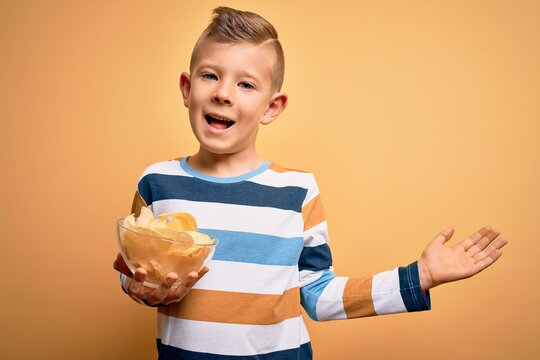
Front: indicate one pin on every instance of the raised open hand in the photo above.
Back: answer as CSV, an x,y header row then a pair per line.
x,y
440,264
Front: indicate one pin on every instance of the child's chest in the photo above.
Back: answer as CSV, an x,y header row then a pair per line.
x,y
253,223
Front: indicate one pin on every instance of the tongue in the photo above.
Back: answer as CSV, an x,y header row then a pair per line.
x,y
219,124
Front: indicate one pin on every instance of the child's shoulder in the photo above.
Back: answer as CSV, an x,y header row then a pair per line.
x,y
281,169
166,167
285,176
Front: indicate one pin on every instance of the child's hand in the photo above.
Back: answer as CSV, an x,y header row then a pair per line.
x,y
440,264
163,294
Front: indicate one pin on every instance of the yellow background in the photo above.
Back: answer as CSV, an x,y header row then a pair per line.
x,y
414,115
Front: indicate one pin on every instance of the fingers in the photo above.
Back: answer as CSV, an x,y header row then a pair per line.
x,y
164,293
186,285
444,236
489,255
488,260
493,250
191,279
136,287
203,272
474,238
480,240
147,295
163,290
481,265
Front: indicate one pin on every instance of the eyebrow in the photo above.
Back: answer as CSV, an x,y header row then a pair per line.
x,y
242,72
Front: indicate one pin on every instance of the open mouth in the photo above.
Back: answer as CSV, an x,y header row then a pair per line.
x,y
218,122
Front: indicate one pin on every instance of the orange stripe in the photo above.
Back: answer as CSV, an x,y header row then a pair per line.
x,y
313,213
137,204
280,169
235,307
357,299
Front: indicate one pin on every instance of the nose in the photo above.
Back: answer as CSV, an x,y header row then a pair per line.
x,y
222,94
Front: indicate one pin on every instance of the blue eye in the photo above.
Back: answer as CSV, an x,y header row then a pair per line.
x,y
209,76
246,85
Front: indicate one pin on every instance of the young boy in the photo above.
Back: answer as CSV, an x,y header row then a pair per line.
x,y
273,255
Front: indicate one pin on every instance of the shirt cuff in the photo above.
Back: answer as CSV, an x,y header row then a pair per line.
x,y
124,282
414,298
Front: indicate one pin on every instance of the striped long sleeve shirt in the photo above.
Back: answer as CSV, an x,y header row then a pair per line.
x,y
272,259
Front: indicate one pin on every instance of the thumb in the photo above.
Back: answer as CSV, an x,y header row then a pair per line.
x,y
443,236
120,265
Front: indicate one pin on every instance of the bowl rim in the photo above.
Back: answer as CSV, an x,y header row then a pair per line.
x,y
119,224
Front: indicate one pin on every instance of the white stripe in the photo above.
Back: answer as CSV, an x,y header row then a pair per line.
x,y
231,217
230,339
317,235
170,167
307,277
385,293
312,193
330,303
279,179
248,278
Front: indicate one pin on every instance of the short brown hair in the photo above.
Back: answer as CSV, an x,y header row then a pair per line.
x,y
230,25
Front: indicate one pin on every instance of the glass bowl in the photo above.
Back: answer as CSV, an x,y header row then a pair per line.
x,y
160,256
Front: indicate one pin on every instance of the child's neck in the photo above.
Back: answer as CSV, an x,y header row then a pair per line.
x,y
224,165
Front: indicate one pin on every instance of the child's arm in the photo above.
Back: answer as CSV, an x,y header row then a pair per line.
x,y
440,264
326,296
162,295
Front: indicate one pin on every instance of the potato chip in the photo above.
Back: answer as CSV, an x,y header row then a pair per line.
x,y
187,220
200,238
157,224
180,249
129,221
173,235
145,218
174,224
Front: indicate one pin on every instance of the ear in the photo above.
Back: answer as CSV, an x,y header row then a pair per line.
x,y
185,87
278,103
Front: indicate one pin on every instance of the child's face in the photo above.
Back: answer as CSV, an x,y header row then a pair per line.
x,y
229,93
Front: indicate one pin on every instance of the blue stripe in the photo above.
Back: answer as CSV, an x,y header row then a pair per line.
x,y
309,294
167,352
315,258
155,187
411,291
185,166
256,248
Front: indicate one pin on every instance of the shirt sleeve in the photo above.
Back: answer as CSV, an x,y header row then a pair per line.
x,y
326,296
